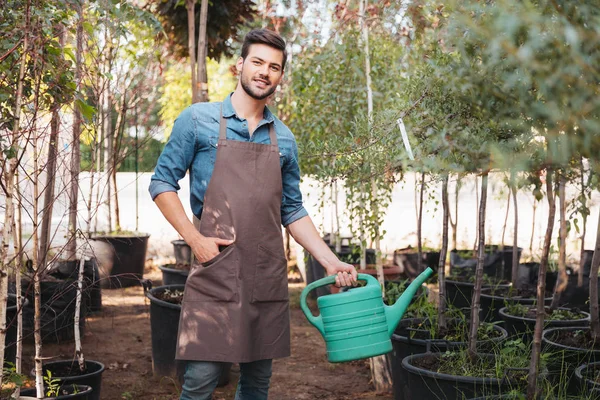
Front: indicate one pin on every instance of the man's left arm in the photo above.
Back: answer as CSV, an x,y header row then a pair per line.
x,y
305,233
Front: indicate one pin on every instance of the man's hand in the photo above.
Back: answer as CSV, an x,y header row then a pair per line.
x,y
206,248
345,273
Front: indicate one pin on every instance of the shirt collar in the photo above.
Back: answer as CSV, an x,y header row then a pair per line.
x,y
228,110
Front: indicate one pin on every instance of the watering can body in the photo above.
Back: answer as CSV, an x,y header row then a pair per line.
x,y
356,323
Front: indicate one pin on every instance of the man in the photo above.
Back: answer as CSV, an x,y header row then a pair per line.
x,y
244,184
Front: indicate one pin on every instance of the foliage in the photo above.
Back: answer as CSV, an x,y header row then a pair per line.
x,y
52,384
225,19
177,95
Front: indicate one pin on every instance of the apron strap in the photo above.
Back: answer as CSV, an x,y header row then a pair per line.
x,y
223,130
222,126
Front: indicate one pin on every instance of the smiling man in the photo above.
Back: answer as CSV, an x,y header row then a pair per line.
x,y
244,185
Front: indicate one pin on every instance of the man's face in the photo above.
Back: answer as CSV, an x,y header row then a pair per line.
x,y
260,71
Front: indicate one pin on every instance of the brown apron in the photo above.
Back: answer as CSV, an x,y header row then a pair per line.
x,y
235,306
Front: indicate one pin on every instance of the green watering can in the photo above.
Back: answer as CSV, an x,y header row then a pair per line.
x,y
356,324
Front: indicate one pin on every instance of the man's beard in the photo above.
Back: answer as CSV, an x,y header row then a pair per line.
x,y
252,92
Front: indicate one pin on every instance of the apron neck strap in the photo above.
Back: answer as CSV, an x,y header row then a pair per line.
x,y
223,129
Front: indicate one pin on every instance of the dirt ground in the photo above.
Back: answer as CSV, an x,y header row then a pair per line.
x,y
119,337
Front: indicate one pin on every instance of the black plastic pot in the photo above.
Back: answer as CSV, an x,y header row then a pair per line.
x,y
92,294
521,327
58,301
506,270
425,384
589,387
10,341
182,252
92,377
460,294
164,327
404,345
492,303
173,276
121,259
563,360
408,260
78,392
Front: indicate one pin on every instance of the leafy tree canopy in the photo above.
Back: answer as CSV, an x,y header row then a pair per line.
x,y
225,19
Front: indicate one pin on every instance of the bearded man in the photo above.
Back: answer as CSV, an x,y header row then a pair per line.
x,y
244,185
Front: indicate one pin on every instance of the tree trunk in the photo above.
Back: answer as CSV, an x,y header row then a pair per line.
x,y
563,279
515,252
71,247
443,252
336,212
478,270
506,216
49,188
190,5
584,217
454,224
201,81
118,137
477,215
9,179
595,321
541,291
77,333
108,152
420,223
17,245
37,268
535,203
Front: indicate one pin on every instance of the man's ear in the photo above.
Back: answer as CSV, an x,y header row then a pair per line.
x,y
239,64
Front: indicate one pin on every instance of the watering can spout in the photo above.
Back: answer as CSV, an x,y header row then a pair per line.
x,y
395,312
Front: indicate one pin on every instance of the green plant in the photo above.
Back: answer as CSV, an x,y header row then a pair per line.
x,y
52,384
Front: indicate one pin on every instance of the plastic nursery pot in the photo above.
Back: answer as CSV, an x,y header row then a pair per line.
x,y
426,384
460,294
73,392
586,376
57,310
523,327
182,252
164,328
121,259
564,359
173,276
403,345
491,303
92,295
67,373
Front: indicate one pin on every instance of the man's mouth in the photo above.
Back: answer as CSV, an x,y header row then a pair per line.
x,y
261,83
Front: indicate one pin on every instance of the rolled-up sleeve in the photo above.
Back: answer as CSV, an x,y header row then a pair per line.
x,y
292,208
176,157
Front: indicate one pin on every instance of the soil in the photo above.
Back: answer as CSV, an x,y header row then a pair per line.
x,y
178,266
581,339
522,293
175,297
119,337
452,333
556,315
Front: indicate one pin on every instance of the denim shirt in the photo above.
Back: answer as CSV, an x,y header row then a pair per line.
x,y
193,146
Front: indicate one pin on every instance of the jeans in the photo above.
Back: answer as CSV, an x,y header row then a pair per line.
x,y
201,378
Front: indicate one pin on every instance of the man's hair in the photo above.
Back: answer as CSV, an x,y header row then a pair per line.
x,y
264,36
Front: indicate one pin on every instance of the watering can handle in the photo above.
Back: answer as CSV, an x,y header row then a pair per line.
x,y
328,280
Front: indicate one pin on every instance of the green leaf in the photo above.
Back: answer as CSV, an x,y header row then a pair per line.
x,y
86,110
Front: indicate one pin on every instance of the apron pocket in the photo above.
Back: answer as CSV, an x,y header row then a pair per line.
x,y
270,277
215,279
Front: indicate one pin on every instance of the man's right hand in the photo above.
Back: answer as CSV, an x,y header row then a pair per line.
x,y
206,248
